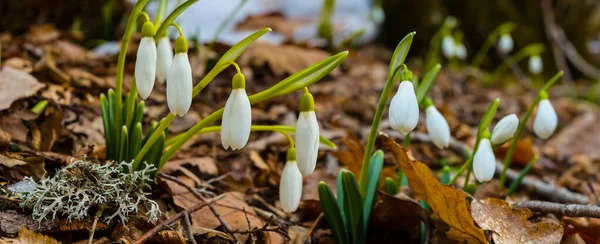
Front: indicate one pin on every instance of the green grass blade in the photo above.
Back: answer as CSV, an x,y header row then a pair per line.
x,y
375,168
139,113
332,213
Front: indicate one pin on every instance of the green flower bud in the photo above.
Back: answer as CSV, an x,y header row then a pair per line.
x,y
239,81
406,75
307,102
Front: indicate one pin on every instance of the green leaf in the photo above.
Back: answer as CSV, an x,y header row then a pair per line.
x,y
172,16
427,82
353,204
375,168
111,118
400,54
123,149
445,175
332,213
340,196
135,141
107,123
390,186
155,152
139,113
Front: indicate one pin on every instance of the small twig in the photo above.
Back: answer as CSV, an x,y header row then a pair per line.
x,y
312,228
217,179
174,218
188,227
95,223
226,226
250,236
569,210
263,228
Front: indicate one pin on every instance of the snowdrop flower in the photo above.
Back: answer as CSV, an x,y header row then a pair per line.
x,y
307,135
404,108
145,63
179,80
535,65
237,117
163,58
505,43
437,126
484,161
448,46
461,51
290,186
505,129
545,120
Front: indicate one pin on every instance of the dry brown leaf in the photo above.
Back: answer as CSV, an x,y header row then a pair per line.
x,y
523,153
511,225
448,203
352,155
206,165
587,229
27,236
279,24
29,166
16,84
282,59
399,213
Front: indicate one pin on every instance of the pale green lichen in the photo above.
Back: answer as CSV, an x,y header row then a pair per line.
x,y
82,185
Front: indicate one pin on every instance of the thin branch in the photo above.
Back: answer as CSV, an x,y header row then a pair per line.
x,y
569,210
95,223
223,223
188,227
312,228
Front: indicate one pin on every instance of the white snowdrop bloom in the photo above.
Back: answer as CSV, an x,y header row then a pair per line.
x,y
448,46
437,127
461,51
179,80
307,135
535,65
163,58
237,116
290,186
505,129
545,120
484,161
505,43
145,63
404,108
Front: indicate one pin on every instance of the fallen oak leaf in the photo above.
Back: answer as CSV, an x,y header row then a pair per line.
x,y
16,84
448,203
510,225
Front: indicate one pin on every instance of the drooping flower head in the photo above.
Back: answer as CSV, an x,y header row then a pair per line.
x,y
505,129
546,119
163,59
307,135
179,80
505,43
448,46
290,186
461,51
535,65
437,126
484,161
145,63
237,116
404,108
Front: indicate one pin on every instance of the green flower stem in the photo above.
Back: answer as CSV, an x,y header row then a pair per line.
x,y
284,129
426,83
484,124
532,49
491,39
162,11
433,55
394,70
171,18
521,128
515,185
129,29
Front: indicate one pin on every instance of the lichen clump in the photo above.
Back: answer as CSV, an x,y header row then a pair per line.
x,y
82,185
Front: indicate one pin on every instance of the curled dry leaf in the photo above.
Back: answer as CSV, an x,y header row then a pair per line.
x,y
399,213
511,225
448,203
27,236
16,84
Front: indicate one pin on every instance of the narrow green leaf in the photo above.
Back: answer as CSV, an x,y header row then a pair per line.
x,y
113,131
373,176
124,148
135,141
154,154
340,196
487,118
129,105
234,52
139,113
171,17
353,203
427,82
332,213
390,186
107,123
400,54
445,175
153,127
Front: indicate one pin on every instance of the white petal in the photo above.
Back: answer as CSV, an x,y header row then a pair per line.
x,y
546,120
505,129
307,142
404,109
164,58
290,187
461,51
237,120
448,47
505,43
145,67
437,127
535,65
179,85
484,161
